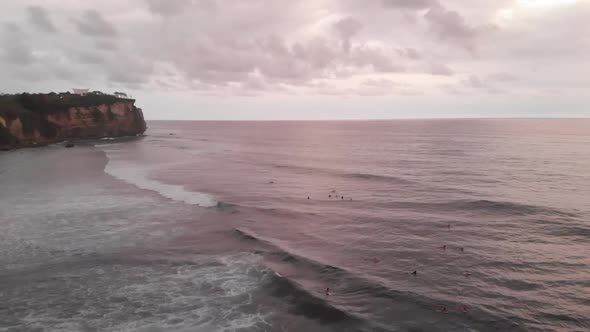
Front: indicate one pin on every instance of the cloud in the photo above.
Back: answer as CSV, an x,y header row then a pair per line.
x,y
347,28
167,7
440,69
218,47
449,25
18,54
410,4
496,91
15,47
93,24
380,59
379,87
327,89
255,82
86,57
106,45
503,77
39,17
409,53
451,89
318,52
445,25
129,71
474,81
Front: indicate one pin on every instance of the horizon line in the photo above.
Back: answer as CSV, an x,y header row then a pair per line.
x,y
376,119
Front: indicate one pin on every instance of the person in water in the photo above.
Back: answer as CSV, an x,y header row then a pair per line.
x,y
328,291
415,273
307,197
444,247
330,196
461,249
342,197
464,309
442,309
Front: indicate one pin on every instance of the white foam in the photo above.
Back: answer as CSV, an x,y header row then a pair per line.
x,y
193,296
216,311
138,175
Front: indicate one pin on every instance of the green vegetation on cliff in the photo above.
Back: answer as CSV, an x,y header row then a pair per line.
x,y
49,103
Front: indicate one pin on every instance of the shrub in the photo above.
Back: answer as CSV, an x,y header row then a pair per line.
x,y
32,121
97,115
5,137
9,107
110,115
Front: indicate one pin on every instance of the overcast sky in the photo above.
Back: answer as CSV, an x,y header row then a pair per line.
x,y
307,59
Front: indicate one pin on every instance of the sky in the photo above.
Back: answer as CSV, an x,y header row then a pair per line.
x,y
307,59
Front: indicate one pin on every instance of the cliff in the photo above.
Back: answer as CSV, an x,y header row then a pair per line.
x,y
37,119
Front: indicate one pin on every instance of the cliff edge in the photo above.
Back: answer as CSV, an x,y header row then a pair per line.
x,y
38,119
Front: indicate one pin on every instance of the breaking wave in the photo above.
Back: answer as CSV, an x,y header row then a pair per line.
x,y
138,175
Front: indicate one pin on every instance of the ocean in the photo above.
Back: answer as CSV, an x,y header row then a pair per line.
x,y
242,226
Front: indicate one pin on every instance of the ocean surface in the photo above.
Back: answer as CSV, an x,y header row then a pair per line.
x,y
241,226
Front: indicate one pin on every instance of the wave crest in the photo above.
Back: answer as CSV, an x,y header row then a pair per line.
x,y
138,176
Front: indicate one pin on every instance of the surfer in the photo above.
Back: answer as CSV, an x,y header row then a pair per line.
x,y
328,291
464,309
415,273
442,309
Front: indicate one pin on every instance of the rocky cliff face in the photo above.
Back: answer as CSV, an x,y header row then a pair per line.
x,y
61,119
